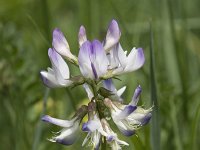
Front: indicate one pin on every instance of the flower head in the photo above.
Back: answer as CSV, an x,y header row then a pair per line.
x,y
99,62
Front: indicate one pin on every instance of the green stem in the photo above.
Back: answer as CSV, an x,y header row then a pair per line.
x,y
103,143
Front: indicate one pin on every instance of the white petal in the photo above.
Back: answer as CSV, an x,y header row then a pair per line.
x,y
121,91
121,56
135,60
86,138
49,79
68,135
85,61
60,68
100,60
112,36
82,37
88,91
58,122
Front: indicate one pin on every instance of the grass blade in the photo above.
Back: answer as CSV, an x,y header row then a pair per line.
x,y
155,126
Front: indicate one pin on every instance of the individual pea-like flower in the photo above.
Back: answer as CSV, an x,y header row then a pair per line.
x,y
69,133
93,127
140,116
112,138
119,62
115,94
119,115
58,75
129,118
92,60
61,45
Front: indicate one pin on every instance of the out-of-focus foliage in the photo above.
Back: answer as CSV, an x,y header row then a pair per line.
x,y
25,36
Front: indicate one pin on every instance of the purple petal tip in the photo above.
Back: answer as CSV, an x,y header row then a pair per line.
x,y
45,118
65,142
128,132
85,127
82,30
44,80
129,109
141,56
146,119
138,91
110,138
114,28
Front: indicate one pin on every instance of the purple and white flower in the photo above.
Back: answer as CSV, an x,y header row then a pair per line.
x,y
92,60
61,45
112,138
95,132
93,127
129,118
69,133
119,113
58,75
120,63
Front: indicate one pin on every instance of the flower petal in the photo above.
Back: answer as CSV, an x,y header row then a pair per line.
x,y
58,122
112,36
85,61
91,126
67,135
82,37
60,67
121,91
127,132
99,58
49,79
126,112
146,119
135,60
121,56
90,59
136,95
124,127
88,91
108,84
61,45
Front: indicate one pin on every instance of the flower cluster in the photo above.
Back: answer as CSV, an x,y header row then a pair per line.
x,y
98,62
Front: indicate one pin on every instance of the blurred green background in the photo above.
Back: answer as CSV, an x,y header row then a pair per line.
x,y
25,36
